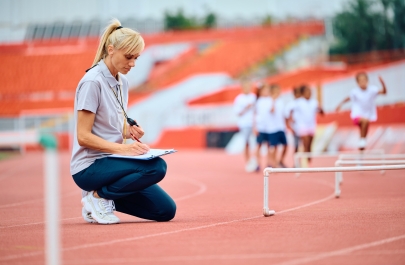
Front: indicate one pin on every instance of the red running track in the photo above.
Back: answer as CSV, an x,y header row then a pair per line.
x,y
219,218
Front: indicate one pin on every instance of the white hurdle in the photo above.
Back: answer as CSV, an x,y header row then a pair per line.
x,y
370,156
339,163
267,171
299,155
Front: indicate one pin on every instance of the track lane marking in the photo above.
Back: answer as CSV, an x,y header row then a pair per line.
x,y
36,200
84,246
202,189
343,251
219,257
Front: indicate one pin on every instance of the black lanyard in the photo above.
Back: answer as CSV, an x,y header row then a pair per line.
x,y
129,120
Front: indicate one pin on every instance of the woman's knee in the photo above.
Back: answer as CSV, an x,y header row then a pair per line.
x,y
159,168
168,211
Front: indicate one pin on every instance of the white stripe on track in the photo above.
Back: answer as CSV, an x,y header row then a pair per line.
x,y
158,260
38,223
202,189
122,240
77,192
342,251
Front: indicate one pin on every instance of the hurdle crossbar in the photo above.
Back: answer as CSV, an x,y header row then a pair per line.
x,y
371,156
267,171
369,162
299,155
339,163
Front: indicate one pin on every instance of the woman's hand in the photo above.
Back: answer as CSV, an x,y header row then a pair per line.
x,y
135,149
135,131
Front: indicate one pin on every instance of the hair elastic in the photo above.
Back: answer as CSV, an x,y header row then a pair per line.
x,y
119,27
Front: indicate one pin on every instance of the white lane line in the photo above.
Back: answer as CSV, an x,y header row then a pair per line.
x,y
202,189
20,203
11,171
343,251
122,240
220,257
306,205
77,192
217,257
38,223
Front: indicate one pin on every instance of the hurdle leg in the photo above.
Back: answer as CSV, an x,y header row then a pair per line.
x,y
297,161
340,175
337,184
382,172
266,210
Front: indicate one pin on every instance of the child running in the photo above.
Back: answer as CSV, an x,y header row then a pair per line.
x,y
305,111
290,120
277,126
363,110
262,118
244,109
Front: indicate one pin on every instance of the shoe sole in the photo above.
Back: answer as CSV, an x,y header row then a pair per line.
x,y
88,206
87,216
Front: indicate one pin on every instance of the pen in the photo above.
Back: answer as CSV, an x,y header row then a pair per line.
x,y
136,138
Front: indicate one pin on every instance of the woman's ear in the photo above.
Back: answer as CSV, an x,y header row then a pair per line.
x,y
110,49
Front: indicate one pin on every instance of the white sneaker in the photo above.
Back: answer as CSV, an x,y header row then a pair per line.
x,y
362,143
101,209
86,214
251,165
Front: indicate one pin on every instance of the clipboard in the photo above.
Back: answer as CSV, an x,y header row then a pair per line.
x,y
153,153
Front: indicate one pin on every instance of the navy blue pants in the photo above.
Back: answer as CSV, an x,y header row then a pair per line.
x,y
131,183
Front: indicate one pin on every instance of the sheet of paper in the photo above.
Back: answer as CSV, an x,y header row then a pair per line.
x,y
149,155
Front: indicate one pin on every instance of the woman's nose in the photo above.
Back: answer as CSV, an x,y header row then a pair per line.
x,y
132,63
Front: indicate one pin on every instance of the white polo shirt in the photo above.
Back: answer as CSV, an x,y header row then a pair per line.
x,y
289,111
240,103
363,103
262,114
94,93
305,111
277,122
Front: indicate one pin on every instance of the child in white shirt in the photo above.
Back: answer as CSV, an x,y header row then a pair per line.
x,y
277,127
263,121
305,111
290,119
243,106
363,110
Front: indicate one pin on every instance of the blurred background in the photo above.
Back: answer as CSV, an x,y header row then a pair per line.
x,y
197,52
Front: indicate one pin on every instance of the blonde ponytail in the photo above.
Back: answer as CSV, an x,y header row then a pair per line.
x,y
123,38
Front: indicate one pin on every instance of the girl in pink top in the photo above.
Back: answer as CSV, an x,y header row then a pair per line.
x,y
363,110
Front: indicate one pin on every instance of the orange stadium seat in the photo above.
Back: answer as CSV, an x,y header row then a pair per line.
x,y
48,71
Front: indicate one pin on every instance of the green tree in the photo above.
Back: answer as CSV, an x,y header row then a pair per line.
x,y
367,25
210,21
267,20
179,21
398,7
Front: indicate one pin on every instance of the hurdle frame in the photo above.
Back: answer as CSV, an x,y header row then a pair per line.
x,y
267,171
339,163
370,156
299,155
